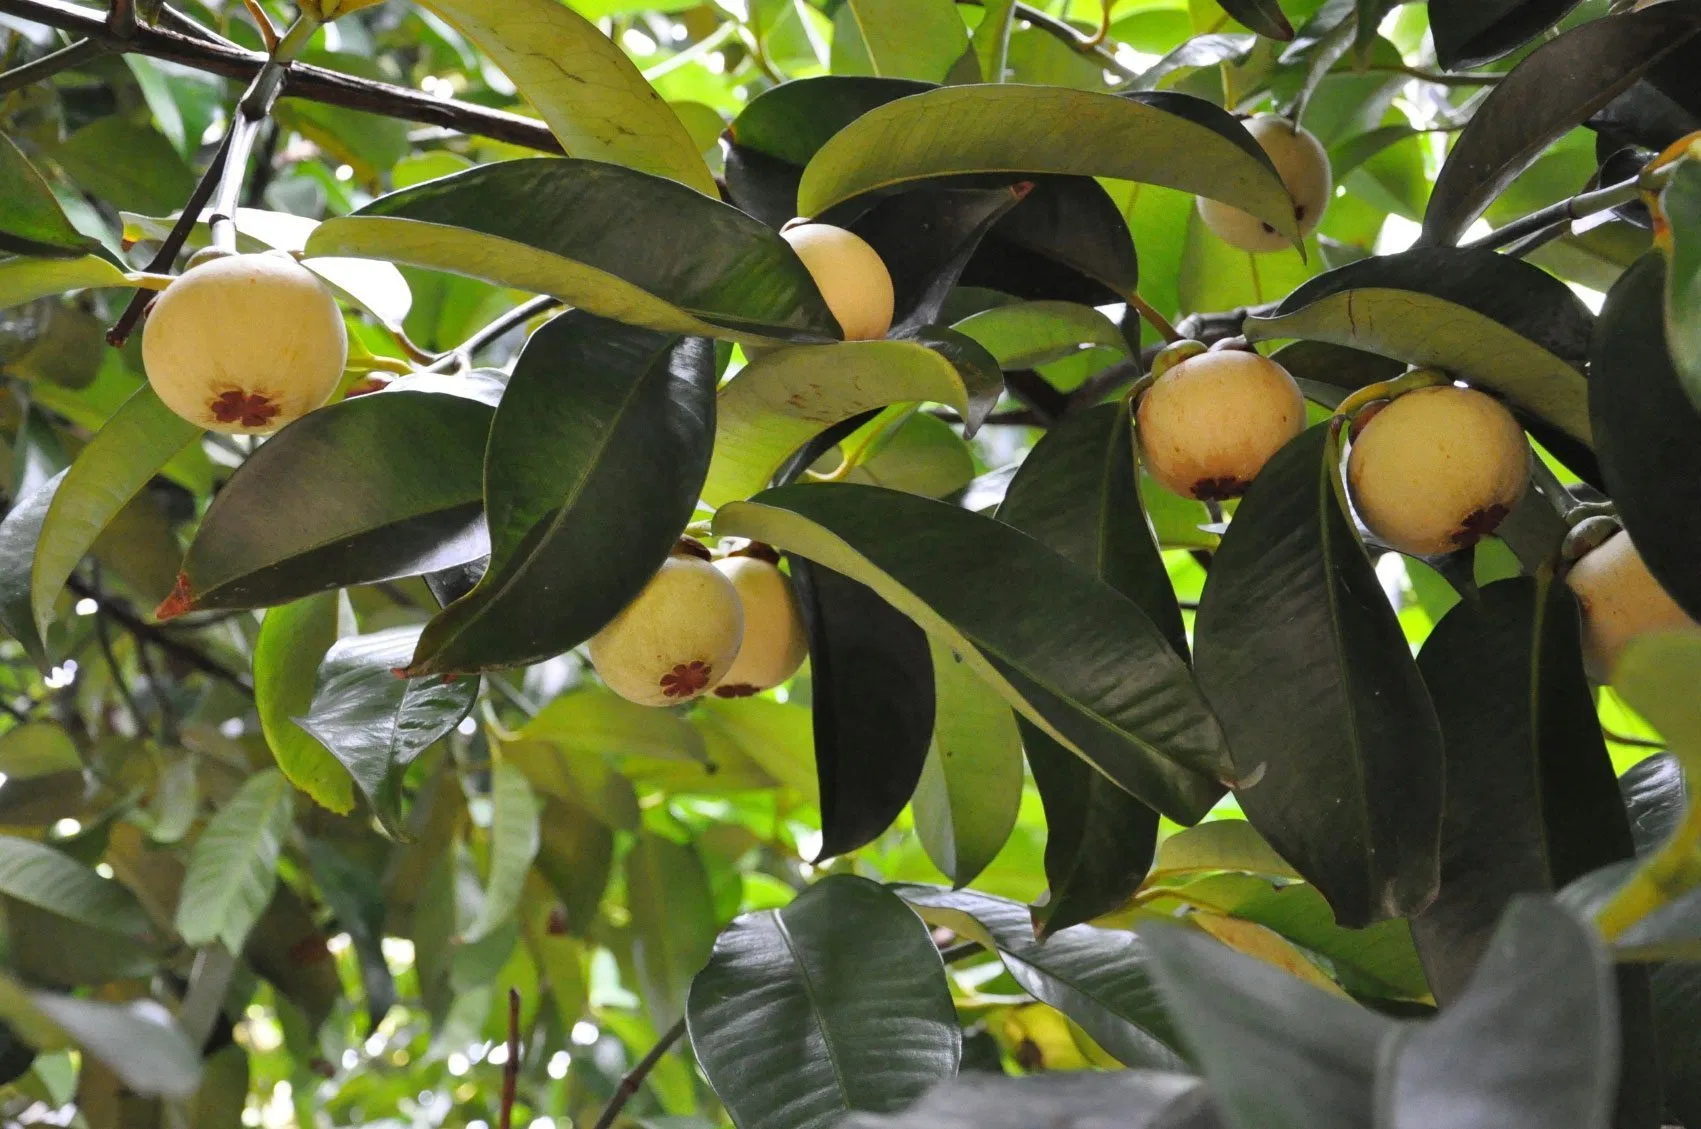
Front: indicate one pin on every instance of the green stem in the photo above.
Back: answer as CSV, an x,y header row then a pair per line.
x,y
251,112
1668,873
49,65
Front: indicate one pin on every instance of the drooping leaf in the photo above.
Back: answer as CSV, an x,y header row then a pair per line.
x,y
1274,1049
1488,319
1263,16
798,1020
1167,139
1644,426
20,533
1100,978
737,279
292,641
971,786
1066,241
1132,1099
898,38
592,408
25,279
1220,844
991,40
1682,201
51,880
1070,652
788,397
1029,334
1677,1011
233,866
377,724
792,121
514,840
874,705
31,220
1335,741
673,916
582,84
139,1041
135,443
369,489
37,749
1531,1042
926,238
1655,794
1469,33
1556,87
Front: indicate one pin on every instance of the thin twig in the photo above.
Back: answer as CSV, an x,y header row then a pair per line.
x,y
510,1068
1058,29
634,1080
1439,78
517,316
1576,207
49,65
202,50
1154,319
103,636
157,688
1618,738
153,633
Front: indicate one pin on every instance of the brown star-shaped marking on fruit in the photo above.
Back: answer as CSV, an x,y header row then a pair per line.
x,y
250,409
1218,489
1479,525
686,680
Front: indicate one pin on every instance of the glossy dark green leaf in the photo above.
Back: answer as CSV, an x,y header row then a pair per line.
x,y
1263,16
1469,33
31,220
1334,738
1168,139
1077,493
1100,978
1682,201
1487,318
673,915
377,724
1646,430
1556,87
572,229
1075,656
20,532
873,704
1130,1099
926,237
369,489
1531,1043
798,1020
1197,52
356,898
1274,1049
1067,241
126,163
1677,1015
592,408
1655,794
1531,803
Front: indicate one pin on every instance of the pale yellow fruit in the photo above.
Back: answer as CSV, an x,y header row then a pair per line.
x,y
676,640
850,275
1621,600
775,643
1303,165
245,344
1209,424
1438,469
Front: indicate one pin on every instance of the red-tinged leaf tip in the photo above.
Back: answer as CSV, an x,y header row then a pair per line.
x,y
1020,191
400,672
180,601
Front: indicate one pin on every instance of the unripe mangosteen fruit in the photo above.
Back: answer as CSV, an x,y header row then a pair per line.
x,y
775,643
1209,423
850,275
678,637
1621,600
1301,162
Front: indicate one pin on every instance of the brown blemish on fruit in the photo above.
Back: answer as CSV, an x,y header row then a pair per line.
x,y
1479,525
1219,489
250,409
737,690
181,600
686,680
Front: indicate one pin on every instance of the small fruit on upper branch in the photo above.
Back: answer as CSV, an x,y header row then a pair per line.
x,y
1621,600
850,275
1209,423
676,640
1437,469
245,343
1303,165
775,643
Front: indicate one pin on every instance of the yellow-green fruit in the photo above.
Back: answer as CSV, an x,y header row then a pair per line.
x,y
850,275
676,640
1209,424
775,644
1621,600
245,344
1438,469
1303,165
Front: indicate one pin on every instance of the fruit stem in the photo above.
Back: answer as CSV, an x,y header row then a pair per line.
x,y
252,110
1388,389
1154,319
148,280
1669,873
462,355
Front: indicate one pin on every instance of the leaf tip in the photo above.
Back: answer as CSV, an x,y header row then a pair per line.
x,y
181,600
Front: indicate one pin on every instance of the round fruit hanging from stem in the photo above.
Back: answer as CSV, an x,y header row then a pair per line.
x,y
775,642
850,275
678,637
1301,162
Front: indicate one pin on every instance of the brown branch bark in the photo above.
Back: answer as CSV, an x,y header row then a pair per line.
x,y
315,84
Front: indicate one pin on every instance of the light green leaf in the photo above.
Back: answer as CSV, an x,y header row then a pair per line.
x,y
36,873
233,866
138,1041
139,439
24,280
898,38
37,749
31,220
20,533
1221,844
513,845
292,641
1187,144
992,39
673,915
582,84
971,784
1029,334
789,396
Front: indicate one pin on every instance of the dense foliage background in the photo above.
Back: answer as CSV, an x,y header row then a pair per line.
x,y
316,851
